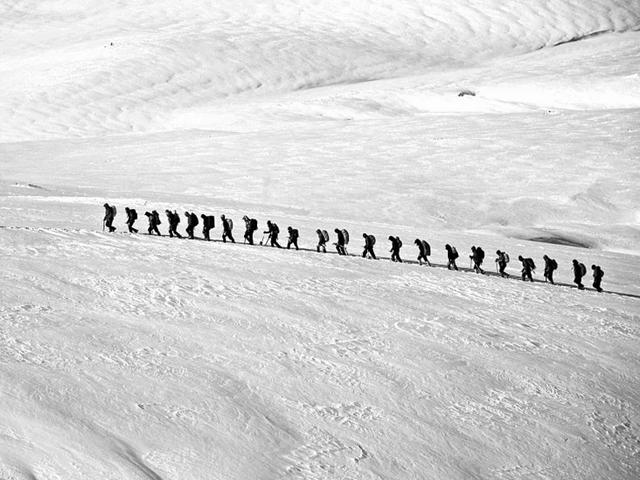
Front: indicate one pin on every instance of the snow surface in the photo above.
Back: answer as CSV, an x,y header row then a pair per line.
x,y
134,357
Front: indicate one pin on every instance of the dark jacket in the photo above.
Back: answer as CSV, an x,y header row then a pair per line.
x,y
598,273
109,213
369,241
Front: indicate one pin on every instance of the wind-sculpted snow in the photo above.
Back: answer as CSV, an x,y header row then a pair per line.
x,y
86,67
127,357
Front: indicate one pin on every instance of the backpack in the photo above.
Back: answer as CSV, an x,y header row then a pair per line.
x,y
346,236
480,253
373,240
505,255
156,217
176,218
294,233
531,264
275,228
253,224
399,242
209,221
325,235
230,223
426,247
583,269
114,210
554,264
193,218
134,214
454,253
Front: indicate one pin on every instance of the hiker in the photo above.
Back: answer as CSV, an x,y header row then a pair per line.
x,y
369,242
502,260
192,223
550,265
208,222
345,235
323,238
273,231
174,219
579,271
227,227
341,242
251,225
109,215
527,268
132,216
597,277
452,254
154,221
477,257
396,243
424,250
293,237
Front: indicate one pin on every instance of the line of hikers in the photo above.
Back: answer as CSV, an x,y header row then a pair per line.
x,y
476,258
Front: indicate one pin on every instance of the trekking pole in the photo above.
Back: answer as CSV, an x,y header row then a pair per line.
x,y
262,241
103,224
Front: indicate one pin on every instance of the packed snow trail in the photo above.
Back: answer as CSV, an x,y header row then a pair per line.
x,y
409,253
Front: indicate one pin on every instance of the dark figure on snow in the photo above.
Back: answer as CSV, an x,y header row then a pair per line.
x,y
597,277
227,228
208,222
550,266
396,243
322,241
273,231
340,243
579,271
293,237
477,257
174,219
452,255
424,250
527,268
369,242
154,221
192,223
502,260
132,216
251,225
109,215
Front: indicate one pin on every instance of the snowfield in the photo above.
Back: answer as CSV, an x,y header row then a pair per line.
x,y
135,357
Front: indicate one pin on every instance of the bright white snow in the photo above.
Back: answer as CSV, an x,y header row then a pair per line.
x,y
134,357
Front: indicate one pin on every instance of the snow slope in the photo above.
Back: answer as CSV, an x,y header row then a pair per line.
x,y
137,357
84,58
150,358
